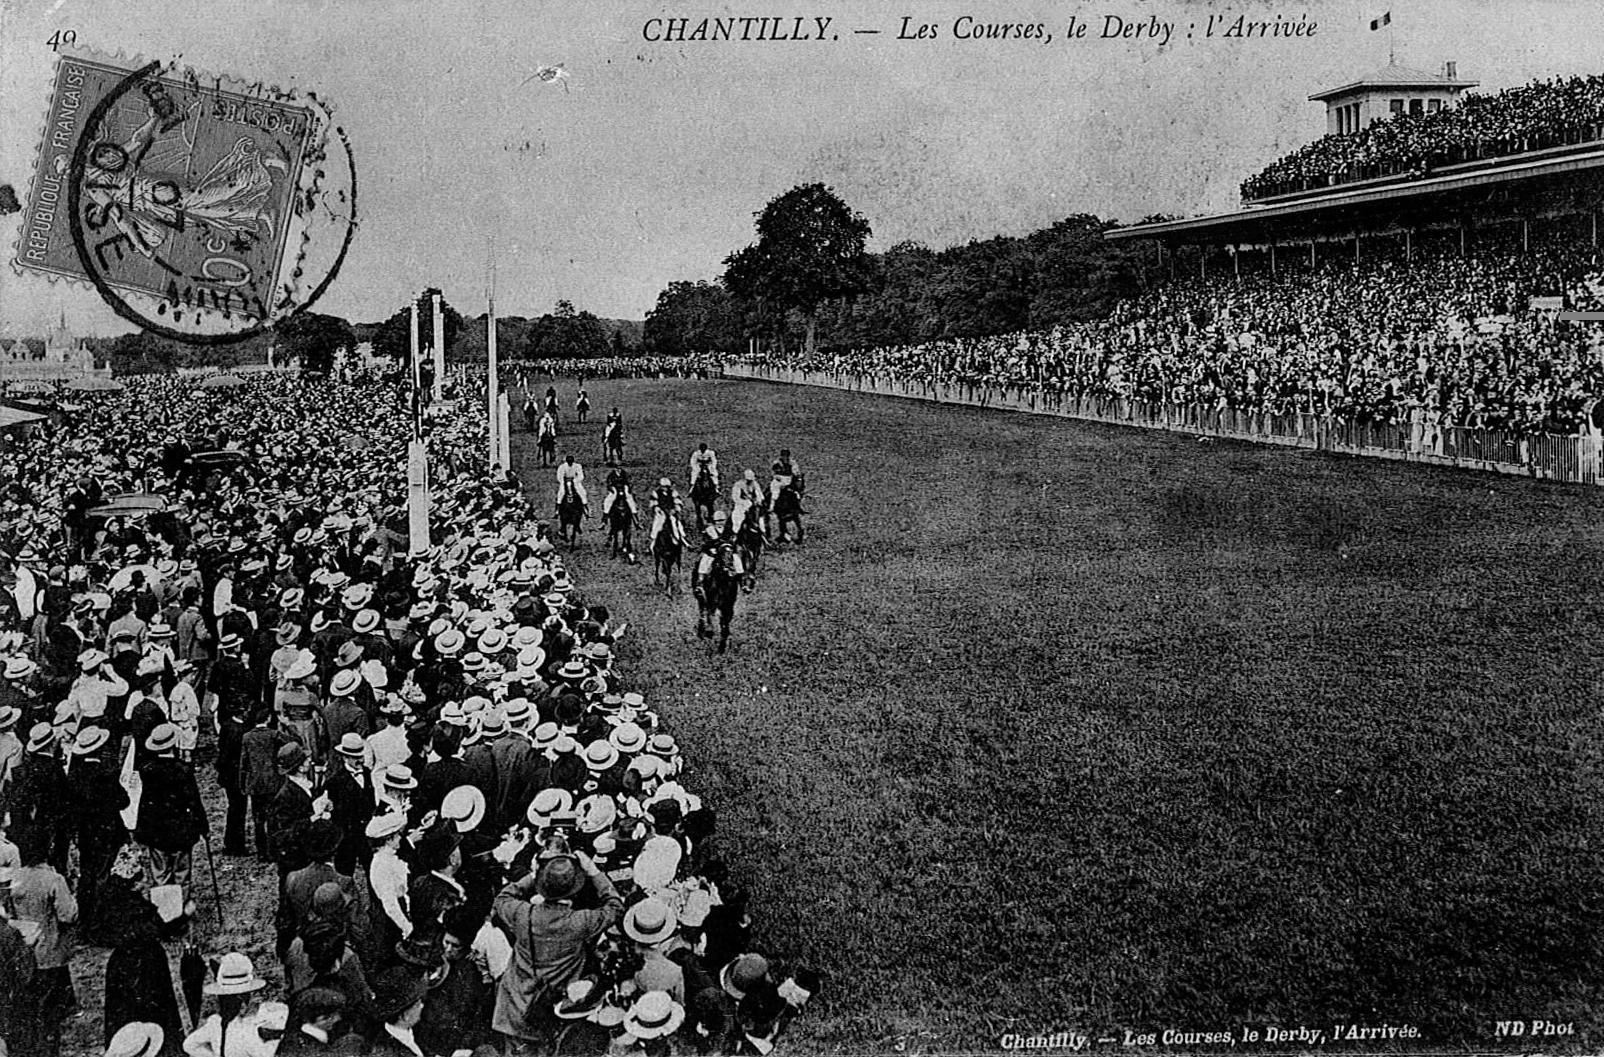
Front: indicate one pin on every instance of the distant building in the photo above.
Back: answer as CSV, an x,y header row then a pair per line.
x,y
1390,91
62,357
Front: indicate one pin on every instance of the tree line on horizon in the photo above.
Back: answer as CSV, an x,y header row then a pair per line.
x,y
809,281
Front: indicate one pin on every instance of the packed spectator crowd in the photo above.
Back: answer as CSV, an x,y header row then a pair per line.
x,y
474,836
1555,112
695,365
1448,341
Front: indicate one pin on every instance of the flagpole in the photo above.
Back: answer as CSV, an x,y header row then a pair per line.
x,y
417,454
492,379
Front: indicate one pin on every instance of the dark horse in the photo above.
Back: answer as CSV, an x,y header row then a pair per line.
x,y
750,539
704,493
788,511
620,526
715,593
582,408
570,512
666,553
613,443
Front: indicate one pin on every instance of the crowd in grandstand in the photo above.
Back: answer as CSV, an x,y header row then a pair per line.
x,y
694,365
1534,116
1448,341
473,833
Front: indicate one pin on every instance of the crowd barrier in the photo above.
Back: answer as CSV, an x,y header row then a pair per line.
x,y
1572,459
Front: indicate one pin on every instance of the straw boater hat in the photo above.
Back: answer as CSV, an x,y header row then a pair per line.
x,y
464,806
366,621
654,1015
349,653
581,999
19,668
287,633
9,716
600,755
550,805
651,921
345,682
546,735
235,976
628,738
136,1039
90,740
399,777
41,737
351,745
449,643
597,812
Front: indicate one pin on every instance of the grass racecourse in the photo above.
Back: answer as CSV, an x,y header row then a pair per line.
x,y
1055,726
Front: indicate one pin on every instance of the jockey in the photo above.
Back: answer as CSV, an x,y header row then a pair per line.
x,y
582,404
704,458
571,471
666,504
786,470
548,424
618,487
746,490
716,533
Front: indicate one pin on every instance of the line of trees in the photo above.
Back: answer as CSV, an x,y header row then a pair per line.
x,y
808,280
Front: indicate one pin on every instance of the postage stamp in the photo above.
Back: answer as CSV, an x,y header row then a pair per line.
x,y
186,202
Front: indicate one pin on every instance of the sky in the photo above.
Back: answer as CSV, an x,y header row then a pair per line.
x,y
646,164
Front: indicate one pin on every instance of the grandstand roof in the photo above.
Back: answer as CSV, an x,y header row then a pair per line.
x,y
13,416
1395,76
1351,203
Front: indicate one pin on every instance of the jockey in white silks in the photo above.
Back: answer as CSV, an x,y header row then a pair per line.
x,y
567,471
666,501
547,426
712,536
746,494
704,458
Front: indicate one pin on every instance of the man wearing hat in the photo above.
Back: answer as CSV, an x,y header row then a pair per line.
x,y
237,698
351,800
322,841
171,816
551,939
11,750
38,795
318,1018
259,777
291,813
435,888
97,799
398,995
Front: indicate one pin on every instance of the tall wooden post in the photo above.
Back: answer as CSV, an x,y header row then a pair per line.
x,y
439,352
492,388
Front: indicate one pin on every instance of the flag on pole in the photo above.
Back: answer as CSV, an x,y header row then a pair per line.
x,y
1384,20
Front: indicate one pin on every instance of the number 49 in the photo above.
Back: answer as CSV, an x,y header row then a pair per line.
x,y
68,37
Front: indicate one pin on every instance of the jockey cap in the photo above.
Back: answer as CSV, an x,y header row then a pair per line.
x,y
720,516
751,476
665,483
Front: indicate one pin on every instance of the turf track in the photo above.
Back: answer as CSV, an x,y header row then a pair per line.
x,y
1054,724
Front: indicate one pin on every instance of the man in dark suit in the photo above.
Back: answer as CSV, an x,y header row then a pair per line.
x,y
322,840
350,793
37,795
287,826
447,771
237,698
171,817
97,799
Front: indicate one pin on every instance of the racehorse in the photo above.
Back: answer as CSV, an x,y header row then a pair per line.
x,y
666,553
570,512
788,511
715,593
620,523
613,443
750,539
547,442
551,405
704,493
582,407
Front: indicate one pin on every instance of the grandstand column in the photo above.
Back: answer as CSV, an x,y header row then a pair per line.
x,y
1409,244
1272,257
439,352
1203,261
1355,245
1311,253
1525,232
1593,213
1462,239
1236,261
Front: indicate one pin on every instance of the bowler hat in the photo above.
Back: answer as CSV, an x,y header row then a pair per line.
x,y
560,878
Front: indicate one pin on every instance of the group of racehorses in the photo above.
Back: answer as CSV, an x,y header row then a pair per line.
x,y
749,527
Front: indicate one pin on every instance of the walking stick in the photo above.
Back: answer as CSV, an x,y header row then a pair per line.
x,y
217,894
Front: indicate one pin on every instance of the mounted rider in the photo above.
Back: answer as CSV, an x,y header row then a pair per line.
x,y
666,503
582,403
548,425
618,487
704,458
571,472
713,536
744,496
786,471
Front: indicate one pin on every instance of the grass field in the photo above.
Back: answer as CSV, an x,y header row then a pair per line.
x,y
1053,725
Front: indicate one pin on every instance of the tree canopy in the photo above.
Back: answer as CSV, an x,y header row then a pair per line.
x,y
312,338
809,249
693,317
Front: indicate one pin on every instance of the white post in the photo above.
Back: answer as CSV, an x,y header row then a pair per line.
x,y
493,387
417,359
418,496
504,430
439,352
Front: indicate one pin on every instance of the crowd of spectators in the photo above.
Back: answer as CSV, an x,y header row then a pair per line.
x,y
694,365
1535,116
1448,340
473,834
